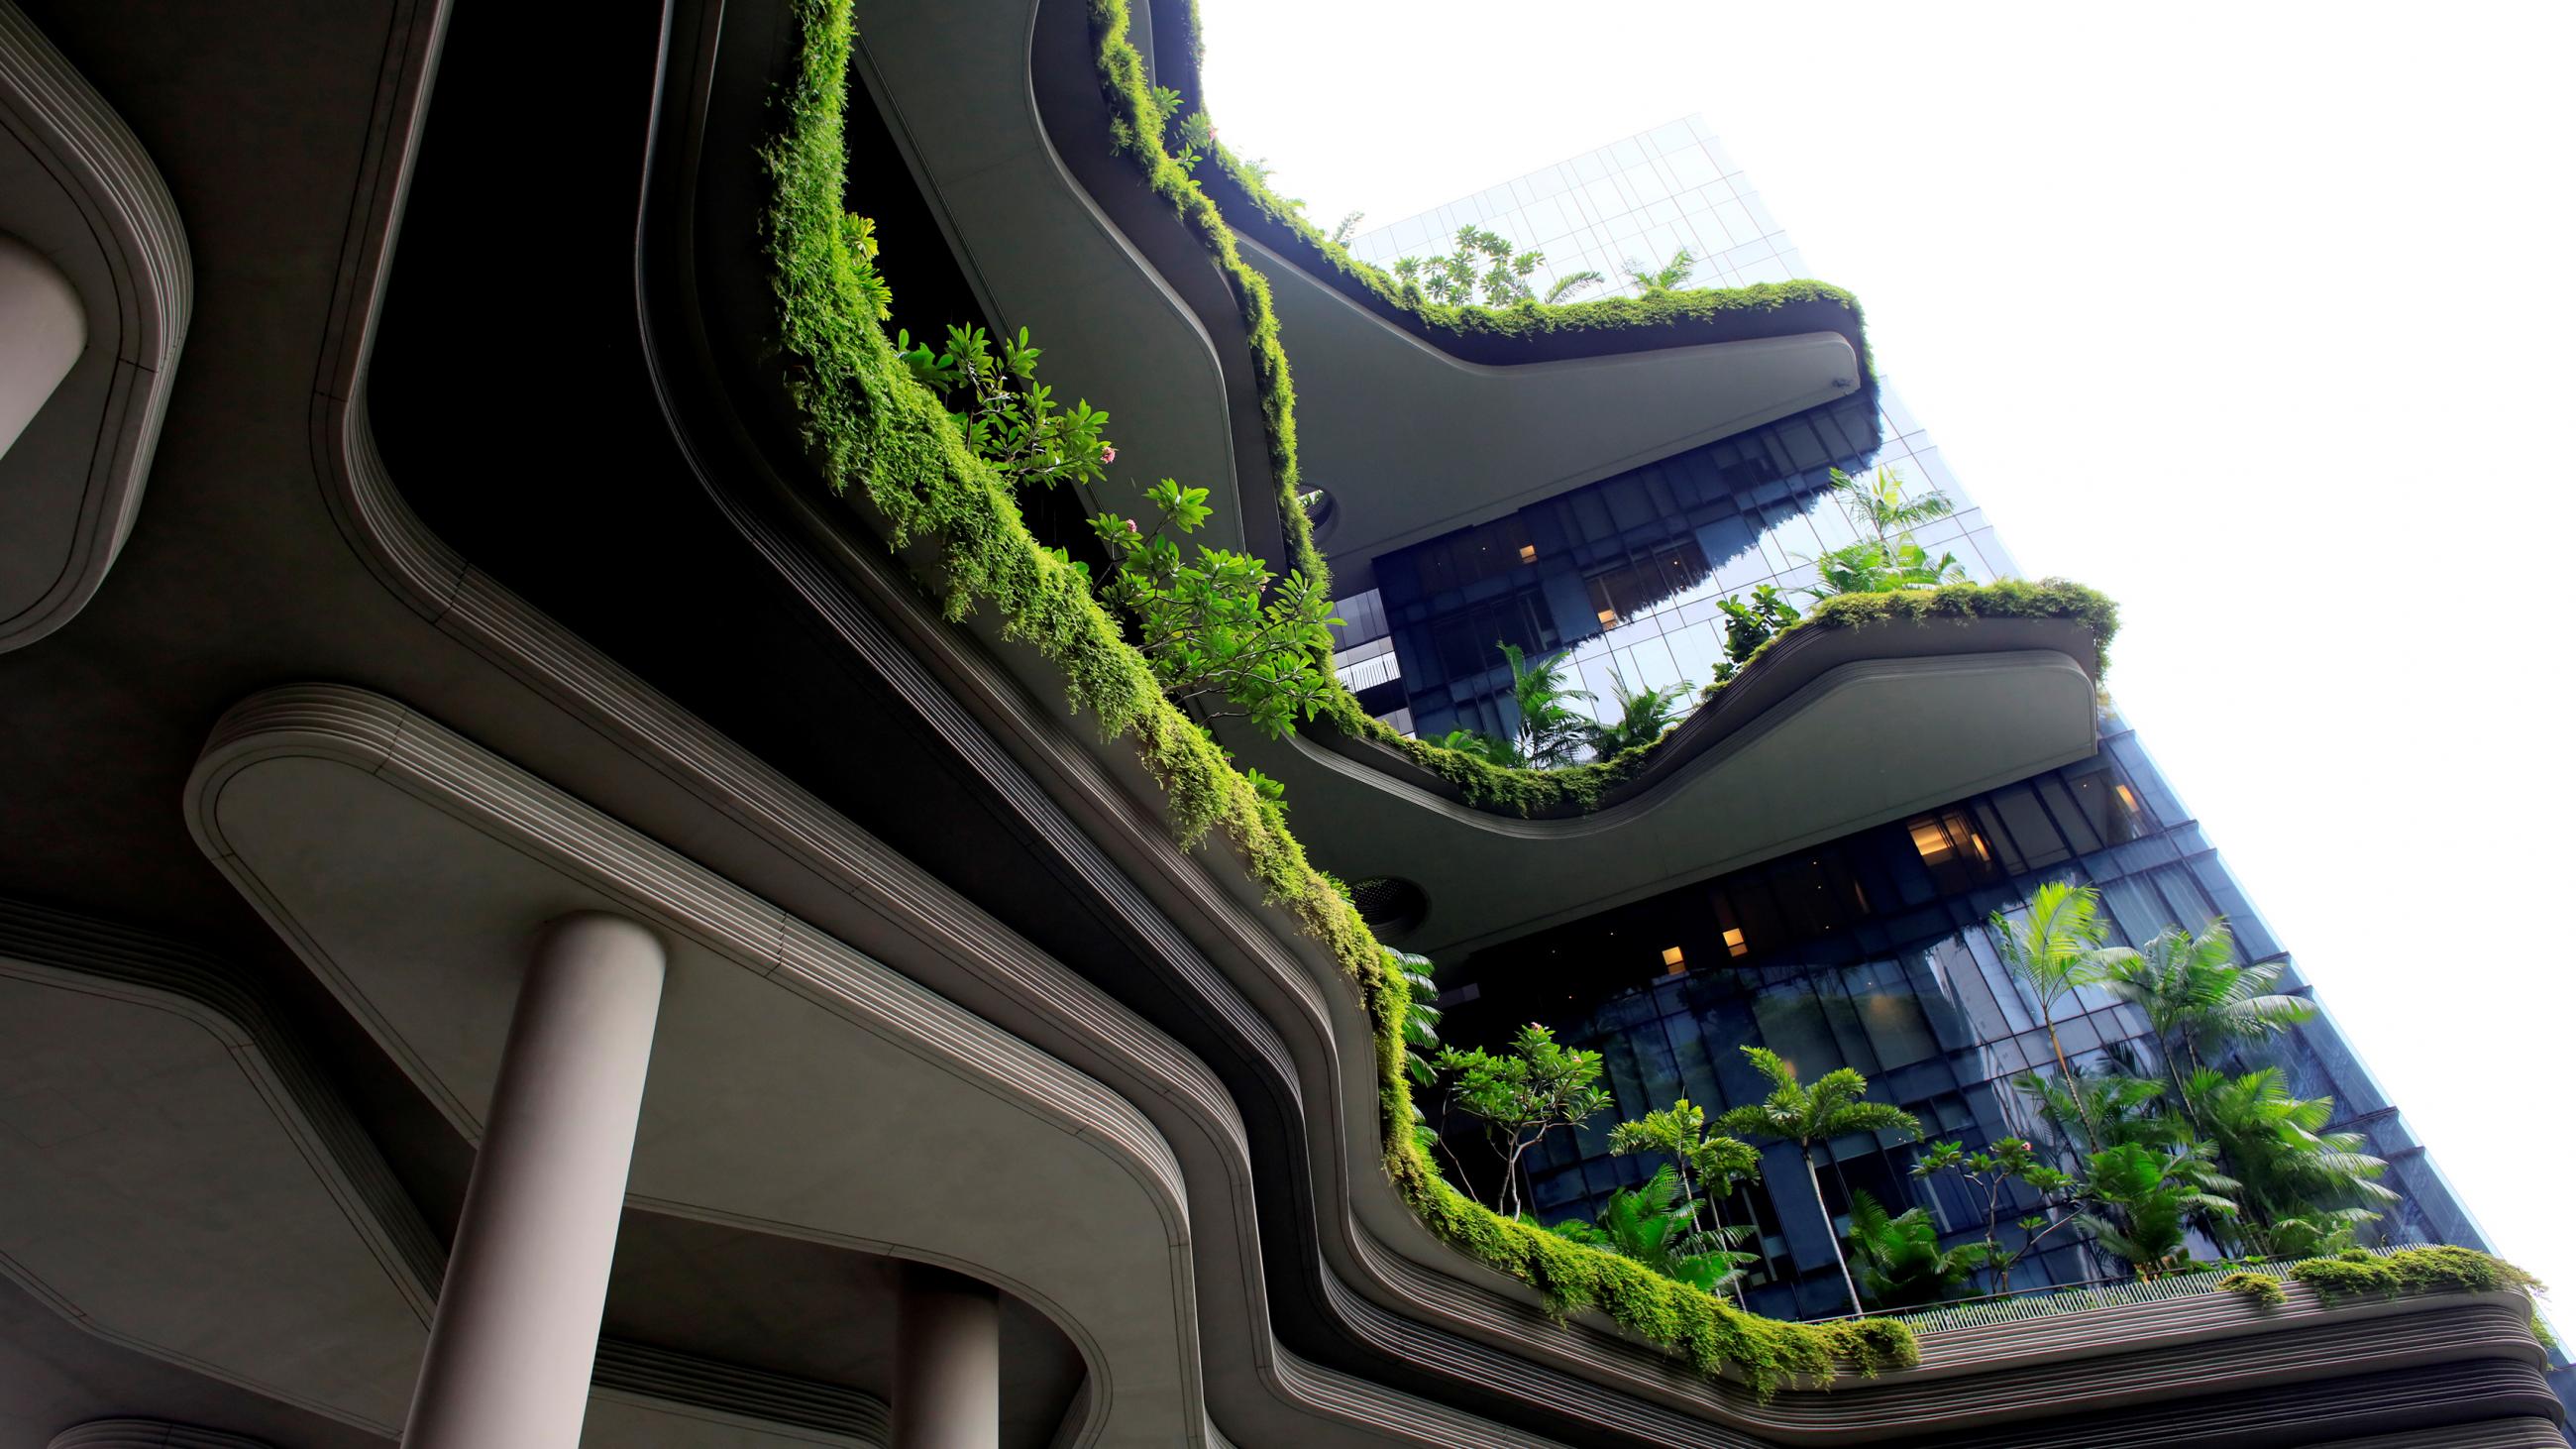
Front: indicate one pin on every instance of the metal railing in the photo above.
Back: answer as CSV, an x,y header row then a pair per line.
x,y
2055,1298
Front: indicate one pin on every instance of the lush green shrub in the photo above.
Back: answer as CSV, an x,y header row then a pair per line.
x,y
2424,1269
876,431
2263,1288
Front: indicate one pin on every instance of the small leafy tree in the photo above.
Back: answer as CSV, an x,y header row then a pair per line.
x,y
1902,1262
1670,277
2056,948
1992,1175
1833,1107
1750,623
1550,729
1484,260
1009,418
1644,715
1522,1095
1213,626
1653,1224
1708,1164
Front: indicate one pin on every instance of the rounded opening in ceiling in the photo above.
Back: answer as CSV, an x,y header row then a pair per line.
x,y
1391,905
1320,512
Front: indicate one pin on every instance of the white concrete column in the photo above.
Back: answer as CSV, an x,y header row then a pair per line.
x,y
518,1319
42,331
947,1362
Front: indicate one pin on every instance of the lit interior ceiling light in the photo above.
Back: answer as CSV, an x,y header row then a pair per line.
x,y
1529,553
1673,961
1735,942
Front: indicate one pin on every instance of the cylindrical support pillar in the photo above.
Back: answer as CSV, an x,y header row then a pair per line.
x,y
518,1319
947,1362
42,331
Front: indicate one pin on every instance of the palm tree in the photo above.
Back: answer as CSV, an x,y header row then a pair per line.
x,y
1643,717
2057,948
1550,728
1667,278
2291,1170
1832,1108
1709,1163
1569,284
1650,1224
1901,1257
2149,1200
2196,997
1488,748
1869,567
1878,505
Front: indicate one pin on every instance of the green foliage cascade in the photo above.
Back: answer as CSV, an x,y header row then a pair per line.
x,y
872,429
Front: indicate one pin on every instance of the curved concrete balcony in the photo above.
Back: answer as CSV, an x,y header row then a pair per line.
x,y
95,290
1830,731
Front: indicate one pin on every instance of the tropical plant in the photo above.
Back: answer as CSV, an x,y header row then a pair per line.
x,y
1522,1095
1421,1015
1644,715
1710,1164
1902,1262
1750,623
2196,998
1833,1107
1670,277
1550,729
1008,417
1993,1174
1870,567
2291,1171
2147,1204
1482,259
1213,627
2056,948
1877,505
1653,1223
1566,286
1490,749
1347,228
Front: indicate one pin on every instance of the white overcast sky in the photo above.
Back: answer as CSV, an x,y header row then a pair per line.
x,y
2254,316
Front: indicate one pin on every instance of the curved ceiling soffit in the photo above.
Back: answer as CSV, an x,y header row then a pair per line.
x,y
81,191
300,1209
332,751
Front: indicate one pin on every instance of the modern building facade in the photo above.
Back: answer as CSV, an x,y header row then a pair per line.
x,y
572,872
1870,951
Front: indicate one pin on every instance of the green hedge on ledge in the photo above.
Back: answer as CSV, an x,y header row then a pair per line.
x,y
871,428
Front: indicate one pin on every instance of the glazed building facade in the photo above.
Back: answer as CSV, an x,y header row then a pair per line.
x,y
1872,950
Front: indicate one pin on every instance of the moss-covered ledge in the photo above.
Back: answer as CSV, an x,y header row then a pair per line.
x,y
1583,789
870,428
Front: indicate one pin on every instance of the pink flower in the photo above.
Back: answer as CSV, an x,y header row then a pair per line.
x,y
1131,525
1108,454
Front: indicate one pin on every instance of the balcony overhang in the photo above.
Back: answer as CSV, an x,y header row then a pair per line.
x,y
1413,440
92,255
1829,732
